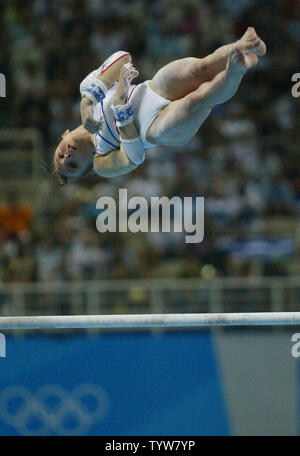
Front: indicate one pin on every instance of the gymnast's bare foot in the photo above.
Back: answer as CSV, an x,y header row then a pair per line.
x,y
239,62
251,43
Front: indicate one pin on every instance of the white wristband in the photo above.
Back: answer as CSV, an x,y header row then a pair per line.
x,y
123,114
93,89
134,149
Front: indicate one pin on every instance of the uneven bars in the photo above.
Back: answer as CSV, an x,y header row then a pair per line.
x,y
151,320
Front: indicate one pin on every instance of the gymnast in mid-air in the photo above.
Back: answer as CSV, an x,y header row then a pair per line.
x,y
120,120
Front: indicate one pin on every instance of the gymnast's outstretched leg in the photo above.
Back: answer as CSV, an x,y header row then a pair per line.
x,y
179,121
181,77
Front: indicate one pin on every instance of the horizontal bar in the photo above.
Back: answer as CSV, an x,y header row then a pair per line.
x,y
151,320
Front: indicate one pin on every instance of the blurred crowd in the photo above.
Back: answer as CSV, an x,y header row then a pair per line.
x,y
244,160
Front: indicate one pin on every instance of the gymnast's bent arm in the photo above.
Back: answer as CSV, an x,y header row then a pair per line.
x,y
116,162
87,116
131,153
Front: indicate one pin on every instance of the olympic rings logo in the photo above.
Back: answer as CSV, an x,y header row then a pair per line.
x,y
52,409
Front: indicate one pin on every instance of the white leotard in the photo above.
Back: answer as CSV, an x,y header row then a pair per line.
x,y
146,105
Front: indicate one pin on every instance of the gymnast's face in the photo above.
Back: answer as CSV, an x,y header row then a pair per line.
x,y
73,156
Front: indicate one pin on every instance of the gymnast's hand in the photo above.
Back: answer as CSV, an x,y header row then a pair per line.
x,y
87,117
128,72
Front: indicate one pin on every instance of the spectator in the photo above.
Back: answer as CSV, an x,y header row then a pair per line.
x,y
15,218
